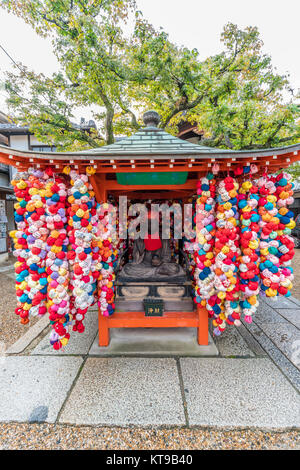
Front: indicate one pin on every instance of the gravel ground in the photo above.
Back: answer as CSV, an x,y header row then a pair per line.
x,y
10,327
51,436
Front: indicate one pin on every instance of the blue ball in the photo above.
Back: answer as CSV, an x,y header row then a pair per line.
x,y
34,267
55,197
254,218
216,309
242,204
284,220
19,218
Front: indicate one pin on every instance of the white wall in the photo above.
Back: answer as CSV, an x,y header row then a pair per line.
x,y
35,141
19,142
4,180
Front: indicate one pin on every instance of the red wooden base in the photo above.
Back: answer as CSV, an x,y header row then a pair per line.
x,y
198,319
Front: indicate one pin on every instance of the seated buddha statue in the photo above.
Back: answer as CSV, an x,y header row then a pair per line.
x,y
151,258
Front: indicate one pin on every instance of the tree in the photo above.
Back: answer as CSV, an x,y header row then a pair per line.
x,y
235,97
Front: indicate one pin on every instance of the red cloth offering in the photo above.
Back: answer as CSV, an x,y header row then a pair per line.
x,y
152,242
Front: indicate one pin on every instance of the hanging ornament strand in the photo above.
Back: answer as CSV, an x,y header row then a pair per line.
x,y
57,262
249,259
269,261
37,242
21,251
286,252
81,234
227,252
205,232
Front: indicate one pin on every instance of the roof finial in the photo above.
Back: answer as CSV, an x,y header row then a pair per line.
x,y
151,118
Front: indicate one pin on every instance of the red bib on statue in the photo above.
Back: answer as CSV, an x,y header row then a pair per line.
x,y
152,243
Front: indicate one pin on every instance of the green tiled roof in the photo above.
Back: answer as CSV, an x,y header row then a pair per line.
x,y
151,140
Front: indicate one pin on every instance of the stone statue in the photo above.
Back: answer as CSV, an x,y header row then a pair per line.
x,y
151,263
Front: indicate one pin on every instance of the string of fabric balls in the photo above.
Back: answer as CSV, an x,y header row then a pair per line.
x,y
61,251
243,244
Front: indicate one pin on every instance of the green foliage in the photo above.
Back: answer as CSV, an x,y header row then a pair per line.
x,y
235,96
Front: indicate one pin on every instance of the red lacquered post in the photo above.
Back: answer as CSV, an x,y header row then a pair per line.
x,y
203,325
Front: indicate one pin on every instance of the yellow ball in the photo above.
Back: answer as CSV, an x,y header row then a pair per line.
x,y
291,225
253,244
229,273
21,184
80,213
33,191
55,234
64,341
247,185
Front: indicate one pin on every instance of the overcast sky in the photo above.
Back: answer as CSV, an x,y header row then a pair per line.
x,y
193,23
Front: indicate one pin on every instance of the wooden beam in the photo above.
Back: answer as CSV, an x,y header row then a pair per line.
x,y
114,185
152,196
96,190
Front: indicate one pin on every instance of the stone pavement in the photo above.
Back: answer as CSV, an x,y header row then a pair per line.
x,y
249,377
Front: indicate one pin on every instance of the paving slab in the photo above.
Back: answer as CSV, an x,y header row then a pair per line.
x,y
35,388
288,369
126,391
292,316
224,392
267,314
278,302
253,344
231,343
8,268
33,332
294,300
153,342
79,343
286,337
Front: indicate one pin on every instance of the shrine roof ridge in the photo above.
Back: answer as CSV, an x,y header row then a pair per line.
x,y
162,146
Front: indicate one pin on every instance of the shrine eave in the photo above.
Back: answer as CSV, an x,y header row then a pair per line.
x,y
191,157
